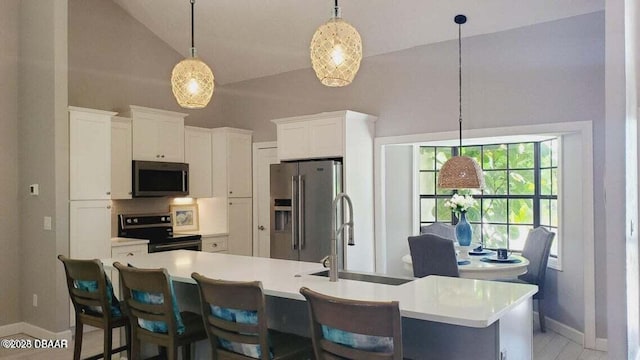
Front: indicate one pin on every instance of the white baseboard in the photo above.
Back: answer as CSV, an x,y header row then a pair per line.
x,y
601,344
11,329
34,331
568,332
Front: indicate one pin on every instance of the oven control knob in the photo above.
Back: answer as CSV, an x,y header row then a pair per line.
x,y
135,221
128,221
162,218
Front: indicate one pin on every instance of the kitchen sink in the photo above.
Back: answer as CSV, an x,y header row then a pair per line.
x,y
378,279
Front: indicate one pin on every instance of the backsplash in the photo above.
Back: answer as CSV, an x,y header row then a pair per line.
x,y
212,212
137,206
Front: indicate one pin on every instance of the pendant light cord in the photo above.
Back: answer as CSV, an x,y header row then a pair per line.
x,y
192,32
459,84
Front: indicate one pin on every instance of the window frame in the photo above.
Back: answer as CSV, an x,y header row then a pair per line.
x,y
555,261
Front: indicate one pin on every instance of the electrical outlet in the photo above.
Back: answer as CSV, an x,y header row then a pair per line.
x,y
35,300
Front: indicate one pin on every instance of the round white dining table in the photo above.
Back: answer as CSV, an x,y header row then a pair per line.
x,y
477,269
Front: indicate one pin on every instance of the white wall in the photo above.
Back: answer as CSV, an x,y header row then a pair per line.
x,y
398,200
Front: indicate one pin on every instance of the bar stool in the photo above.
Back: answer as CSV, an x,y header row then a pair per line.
x,y
91,292
151,305
352,329
236,323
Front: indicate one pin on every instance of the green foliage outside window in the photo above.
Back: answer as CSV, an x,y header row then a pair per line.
x,y
521,190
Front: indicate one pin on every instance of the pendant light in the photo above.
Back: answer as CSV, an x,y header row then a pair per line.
x,y
336,51
460,172
191,79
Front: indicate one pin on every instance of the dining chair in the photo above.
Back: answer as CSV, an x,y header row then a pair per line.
x,y
537,247
155,316
353,329
91,293
236,321
433,255
441,229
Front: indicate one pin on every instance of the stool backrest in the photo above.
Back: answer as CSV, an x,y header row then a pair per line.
x,y
240,296
362,318
87,301
151,281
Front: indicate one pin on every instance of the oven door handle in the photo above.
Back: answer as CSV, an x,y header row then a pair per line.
x,y
180,245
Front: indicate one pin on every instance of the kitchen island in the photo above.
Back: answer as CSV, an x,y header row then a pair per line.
x,y
442,317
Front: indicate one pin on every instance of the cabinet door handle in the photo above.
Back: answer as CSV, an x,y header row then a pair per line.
x,y
130,254
230,192
157,155
108,192
230,203
261,227
215,245
108,206
162,156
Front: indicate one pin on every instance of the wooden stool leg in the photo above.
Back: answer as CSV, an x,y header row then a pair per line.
x,y
186,351
77,347
127,335
108,342
172,352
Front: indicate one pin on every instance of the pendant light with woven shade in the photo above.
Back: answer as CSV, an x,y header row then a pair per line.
x,y
460,172
191,79
336,51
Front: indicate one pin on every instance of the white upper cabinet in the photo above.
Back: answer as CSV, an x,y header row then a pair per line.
x,y
197,153
317,136
231,162
89,154
120,158
158,135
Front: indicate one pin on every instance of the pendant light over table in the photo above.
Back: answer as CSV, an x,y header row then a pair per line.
x,y
336,51
460,172
191,79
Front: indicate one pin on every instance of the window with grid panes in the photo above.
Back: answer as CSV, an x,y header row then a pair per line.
x,y
521,191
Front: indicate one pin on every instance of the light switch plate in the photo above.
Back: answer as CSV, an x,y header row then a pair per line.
x,y
47,223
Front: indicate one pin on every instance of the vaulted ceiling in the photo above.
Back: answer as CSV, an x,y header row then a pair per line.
x,y
245,39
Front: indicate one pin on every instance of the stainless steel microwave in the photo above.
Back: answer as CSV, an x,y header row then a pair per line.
x,y
156,179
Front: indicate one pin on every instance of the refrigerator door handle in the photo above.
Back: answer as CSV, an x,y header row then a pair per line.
x,y
294,213
301,195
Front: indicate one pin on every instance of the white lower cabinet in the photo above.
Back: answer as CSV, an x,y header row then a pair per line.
x,y
124,251
89,230
215,243
240,226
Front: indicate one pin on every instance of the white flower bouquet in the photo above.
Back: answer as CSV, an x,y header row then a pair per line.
x,y
460,203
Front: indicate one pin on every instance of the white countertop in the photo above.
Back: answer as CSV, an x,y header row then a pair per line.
x,y
465,302
120,241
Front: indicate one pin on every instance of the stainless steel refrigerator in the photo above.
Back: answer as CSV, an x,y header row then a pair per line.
x,y
301,197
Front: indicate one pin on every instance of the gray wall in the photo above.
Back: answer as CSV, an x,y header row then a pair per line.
x,y
43,159
115,61
9,227
546,73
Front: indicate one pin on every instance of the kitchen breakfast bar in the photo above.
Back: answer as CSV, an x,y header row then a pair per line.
x,y
442,317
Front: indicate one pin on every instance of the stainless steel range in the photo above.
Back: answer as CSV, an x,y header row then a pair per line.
x,y
158,230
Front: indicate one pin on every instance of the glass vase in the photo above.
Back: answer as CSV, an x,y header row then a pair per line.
x,y
463,230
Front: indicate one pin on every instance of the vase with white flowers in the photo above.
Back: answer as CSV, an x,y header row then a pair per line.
x,y
460,204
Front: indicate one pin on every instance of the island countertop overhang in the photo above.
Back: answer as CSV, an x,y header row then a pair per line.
x,y
456,301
